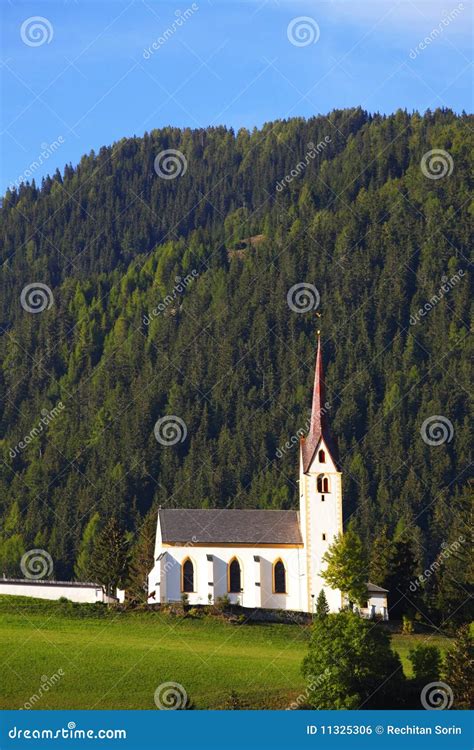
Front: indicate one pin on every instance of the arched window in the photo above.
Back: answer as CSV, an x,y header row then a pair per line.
x,y
187,582
279,577
322,484
322,457
234,583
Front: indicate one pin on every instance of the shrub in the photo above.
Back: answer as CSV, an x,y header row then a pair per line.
x,y
426,663
351,665
408,626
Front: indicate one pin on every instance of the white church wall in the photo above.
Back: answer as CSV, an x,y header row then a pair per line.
x,y
252,573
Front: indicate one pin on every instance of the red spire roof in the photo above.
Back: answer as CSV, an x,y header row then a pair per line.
x,y
319,428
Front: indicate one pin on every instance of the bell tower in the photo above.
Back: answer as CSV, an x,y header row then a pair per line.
x,y
320,483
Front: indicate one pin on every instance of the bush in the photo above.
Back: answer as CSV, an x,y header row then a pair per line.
x,y
408,626
195,612
350,665
426,663
222,603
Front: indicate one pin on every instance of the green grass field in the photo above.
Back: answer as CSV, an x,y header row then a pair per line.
x,y
113,660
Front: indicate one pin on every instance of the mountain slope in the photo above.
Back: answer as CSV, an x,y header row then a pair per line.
x,y
163,306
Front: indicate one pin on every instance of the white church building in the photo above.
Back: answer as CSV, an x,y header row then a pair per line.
x,y
262,558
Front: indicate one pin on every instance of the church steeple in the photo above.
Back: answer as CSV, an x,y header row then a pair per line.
x,y
319,428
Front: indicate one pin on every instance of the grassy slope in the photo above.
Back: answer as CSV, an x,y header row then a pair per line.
x,y
118,660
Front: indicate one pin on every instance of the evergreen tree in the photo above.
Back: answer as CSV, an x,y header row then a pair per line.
x,y
459,669
381,558
401,598
109,560
141,561
322,606
426,663
388,368
82,568
350,665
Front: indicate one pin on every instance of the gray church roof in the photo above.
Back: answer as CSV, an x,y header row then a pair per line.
x,y
202,526
371,587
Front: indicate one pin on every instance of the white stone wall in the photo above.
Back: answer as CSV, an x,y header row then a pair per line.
x,y
211,576
45,590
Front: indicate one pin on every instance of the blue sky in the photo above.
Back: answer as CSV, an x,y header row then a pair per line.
x,y
91,80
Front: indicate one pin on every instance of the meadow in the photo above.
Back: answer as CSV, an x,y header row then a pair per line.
x,y
108,659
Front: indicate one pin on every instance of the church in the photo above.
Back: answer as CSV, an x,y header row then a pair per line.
x,y
269,559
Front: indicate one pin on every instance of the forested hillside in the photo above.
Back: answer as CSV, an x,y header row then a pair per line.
x,y
161,304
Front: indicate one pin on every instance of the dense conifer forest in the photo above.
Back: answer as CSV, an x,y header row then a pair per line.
x,y
169,297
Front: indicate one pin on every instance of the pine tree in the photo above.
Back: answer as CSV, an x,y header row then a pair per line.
x,y
141,561
322,606
109,559
459,669
82,568
381,558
